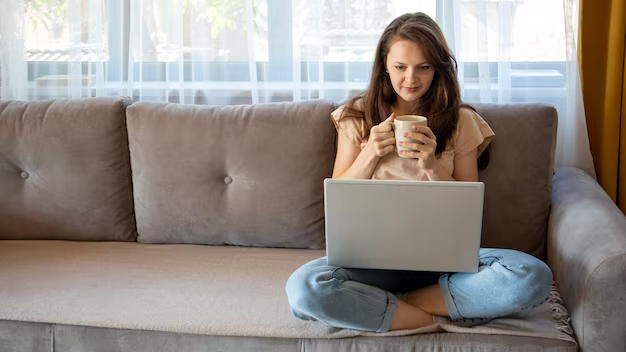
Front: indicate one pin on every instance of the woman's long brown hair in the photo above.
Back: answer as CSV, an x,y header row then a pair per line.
x,y
441,103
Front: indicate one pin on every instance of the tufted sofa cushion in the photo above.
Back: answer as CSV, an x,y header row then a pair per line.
x,y
64,170
239,175
518,179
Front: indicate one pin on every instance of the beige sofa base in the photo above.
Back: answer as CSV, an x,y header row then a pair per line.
x,y
41,337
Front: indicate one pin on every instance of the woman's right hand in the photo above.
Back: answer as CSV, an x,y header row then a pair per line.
x,y
382,138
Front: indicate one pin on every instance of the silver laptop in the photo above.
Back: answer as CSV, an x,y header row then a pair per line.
x,y
403,225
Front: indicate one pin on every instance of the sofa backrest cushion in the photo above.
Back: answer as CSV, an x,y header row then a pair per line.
x,y
238,175
65,170
518,179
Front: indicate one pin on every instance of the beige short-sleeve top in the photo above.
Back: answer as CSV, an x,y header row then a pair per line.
x,y
471,132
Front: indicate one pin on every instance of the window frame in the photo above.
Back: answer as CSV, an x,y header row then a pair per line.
x,y
277,74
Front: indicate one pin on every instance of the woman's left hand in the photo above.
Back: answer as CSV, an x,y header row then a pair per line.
x,y
423,149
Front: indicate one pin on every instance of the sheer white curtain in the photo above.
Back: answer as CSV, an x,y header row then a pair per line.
x,y
251,51
13,77
524,51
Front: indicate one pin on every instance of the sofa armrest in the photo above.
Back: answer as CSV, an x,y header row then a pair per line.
x,y
587,254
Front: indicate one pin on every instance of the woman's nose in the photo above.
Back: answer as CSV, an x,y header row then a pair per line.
x,y
410,76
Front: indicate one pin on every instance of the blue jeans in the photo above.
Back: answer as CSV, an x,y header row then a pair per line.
x,y
507,282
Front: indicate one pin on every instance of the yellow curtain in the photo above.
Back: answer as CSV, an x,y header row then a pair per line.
x,y
602,52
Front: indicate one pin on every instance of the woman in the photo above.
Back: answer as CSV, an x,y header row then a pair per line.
x,y
414,72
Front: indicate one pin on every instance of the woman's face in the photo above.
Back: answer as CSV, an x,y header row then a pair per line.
x,y
409,71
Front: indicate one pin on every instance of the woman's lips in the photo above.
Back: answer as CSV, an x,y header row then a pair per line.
x,y
411,89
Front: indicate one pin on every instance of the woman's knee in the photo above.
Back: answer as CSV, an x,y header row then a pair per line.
x,y
539,280
531,280
306,288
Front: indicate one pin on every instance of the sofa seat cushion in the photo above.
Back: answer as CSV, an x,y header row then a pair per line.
x,y
208,290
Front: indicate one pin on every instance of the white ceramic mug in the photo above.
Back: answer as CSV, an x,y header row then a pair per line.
x,y
403,124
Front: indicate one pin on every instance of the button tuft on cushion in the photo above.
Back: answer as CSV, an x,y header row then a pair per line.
x,y
228,180
24,174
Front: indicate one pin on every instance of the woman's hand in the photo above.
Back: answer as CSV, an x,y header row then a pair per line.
x,y
382,138
423,149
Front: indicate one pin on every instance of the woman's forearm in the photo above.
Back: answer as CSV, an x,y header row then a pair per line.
x,y
363,166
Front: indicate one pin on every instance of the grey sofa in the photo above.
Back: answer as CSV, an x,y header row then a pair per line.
x,y
162,227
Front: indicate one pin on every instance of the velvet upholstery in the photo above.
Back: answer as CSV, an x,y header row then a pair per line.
x,y
62,338
65,170
204,175
518,178
17,336
239,175
587,253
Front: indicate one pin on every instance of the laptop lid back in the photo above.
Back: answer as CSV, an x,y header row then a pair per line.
x,y
403,225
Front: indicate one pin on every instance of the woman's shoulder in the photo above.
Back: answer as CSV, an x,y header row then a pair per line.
x,y
352,109
472,131
349,119
468,112
469,116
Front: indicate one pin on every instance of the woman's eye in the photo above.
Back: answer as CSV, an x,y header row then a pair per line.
x,y
399,67
425,68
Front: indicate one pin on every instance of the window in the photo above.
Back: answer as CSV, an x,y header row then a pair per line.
x,y
245,51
